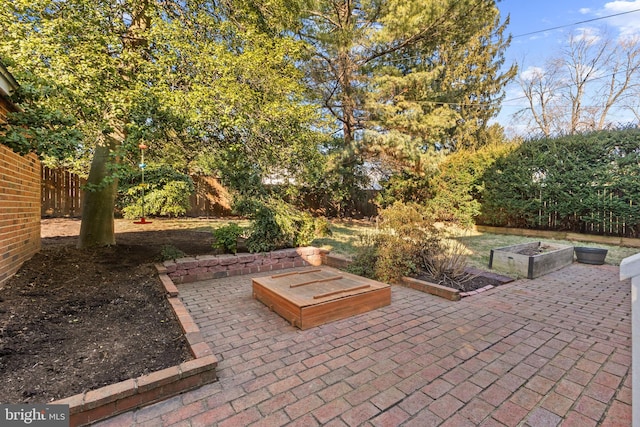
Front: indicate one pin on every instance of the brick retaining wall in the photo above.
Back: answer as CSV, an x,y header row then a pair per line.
x,y
205,267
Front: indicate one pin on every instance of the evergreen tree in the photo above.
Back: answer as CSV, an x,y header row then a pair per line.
x,y
402,78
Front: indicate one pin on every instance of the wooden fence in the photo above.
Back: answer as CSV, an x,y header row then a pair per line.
x,y
61,193
612,214
210,198
62,197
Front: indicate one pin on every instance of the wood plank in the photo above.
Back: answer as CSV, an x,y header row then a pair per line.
x,y
310,282
290,312
292,273
341,291
331,311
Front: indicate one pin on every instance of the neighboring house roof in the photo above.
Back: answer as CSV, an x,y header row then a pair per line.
x,y
7,83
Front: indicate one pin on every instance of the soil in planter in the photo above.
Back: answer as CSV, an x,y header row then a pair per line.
x,y
74,320
474,283
535,251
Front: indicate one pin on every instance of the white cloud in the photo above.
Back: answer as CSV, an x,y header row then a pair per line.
x,y
532,73
589,35
585,10
627,25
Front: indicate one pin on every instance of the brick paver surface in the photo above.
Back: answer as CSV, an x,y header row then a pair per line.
x,y
546,352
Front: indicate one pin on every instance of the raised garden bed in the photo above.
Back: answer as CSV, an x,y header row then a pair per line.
x,y
482,281
531,260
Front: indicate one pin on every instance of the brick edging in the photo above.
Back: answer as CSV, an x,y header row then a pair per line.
x,y
431,288
105,402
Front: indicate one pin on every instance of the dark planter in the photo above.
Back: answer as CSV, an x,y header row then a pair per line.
x,y
594,256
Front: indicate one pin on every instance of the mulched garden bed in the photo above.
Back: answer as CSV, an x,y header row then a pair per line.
x,y
478,280
74,320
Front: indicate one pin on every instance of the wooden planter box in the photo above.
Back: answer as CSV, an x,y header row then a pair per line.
x,y
531,260
316,296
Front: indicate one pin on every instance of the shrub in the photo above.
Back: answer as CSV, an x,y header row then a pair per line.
x,y
226,238
170,252
580,183
408,245
406,186
322,227
447,265
166,193
278,225
405,236
366,258
459,183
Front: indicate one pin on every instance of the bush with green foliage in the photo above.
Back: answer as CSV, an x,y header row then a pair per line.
x,y
409,244
166,193
459,183
225,238
366,258
581,183
170,252
405,238
277,224
404,187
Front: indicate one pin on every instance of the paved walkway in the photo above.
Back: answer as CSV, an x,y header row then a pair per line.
x,y
545,352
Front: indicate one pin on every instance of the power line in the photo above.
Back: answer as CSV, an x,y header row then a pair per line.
x,y
575,23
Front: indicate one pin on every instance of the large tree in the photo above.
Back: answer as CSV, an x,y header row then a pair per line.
x,y
440,93
413,73
189,76
577,89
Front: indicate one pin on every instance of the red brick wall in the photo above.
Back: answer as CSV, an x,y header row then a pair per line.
x,y
19,207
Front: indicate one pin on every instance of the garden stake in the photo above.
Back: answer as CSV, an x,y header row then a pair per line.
x,y
142,166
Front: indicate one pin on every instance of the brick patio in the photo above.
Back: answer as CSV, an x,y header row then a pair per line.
x,y
550,351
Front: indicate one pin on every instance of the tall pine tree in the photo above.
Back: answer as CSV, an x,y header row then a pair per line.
x,y
413,75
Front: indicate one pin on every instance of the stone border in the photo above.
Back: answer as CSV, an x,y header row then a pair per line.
x,y
105,402
207,267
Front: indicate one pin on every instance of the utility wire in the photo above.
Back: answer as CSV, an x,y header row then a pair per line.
x,y
570,85
490,103
575,23
524,35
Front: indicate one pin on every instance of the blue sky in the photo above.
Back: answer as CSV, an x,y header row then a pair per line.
x,y
528,16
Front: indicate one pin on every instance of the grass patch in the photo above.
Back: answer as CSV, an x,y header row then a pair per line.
x,y
346,236
193,224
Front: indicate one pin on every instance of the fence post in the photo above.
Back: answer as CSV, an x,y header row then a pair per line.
x,y
630,269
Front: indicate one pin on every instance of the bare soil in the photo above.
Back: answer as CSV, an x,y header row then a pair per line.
x,y
471,282
73,320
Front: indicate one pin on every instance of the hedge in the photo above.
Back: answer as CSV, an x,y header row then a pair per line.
x,y
586,183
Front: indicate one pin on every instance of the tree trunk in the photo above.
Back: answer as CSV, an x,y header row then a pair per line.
x,y
97,228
